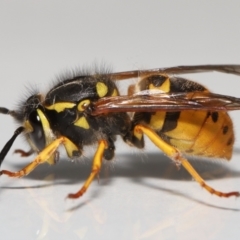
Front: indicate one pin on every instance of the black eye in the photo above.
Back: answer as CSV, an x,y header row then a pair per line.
x,y
37,135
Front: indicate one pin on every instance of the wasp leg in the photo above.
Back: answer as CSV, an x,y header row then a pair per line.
x,y
24,153
42,157
96,166
174,154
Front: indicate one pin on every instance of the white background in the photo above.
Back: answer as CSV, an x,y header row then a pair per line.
x,y
141,195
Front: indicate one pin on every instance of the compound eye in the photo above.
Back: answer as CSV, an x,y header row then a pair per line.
x,y
37,135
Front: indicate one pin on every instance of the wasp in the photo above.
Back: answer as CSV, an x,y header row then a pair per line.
x,y
181,117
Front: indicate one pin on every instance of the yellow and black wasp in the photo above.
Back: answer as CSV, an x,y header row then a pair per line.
x,y
179,116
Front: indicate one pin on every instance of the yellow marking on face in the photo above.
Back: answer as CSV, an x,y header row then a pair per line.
x,y
114,93
44,120
102,89
82,122
47,133
165,87
83,104
28,126
60,107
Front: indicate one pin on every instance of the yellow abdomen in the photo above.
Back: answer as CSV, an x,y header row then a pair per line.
x,y
193,132
200,133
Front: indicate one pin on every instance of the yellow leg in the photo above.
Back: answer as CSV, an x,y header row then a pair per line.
x,y
174,154
42,157
96,166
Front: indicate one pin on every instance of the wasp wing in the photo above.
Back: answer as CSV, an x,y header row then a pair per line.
x,y
230,69
149,101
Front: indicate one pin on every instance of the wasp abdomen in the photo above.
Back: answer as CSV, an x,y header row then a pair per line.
x,y
193,132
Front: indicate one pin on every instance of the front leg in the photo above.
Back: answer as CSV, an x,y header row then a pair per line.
x,y
24,153
42,157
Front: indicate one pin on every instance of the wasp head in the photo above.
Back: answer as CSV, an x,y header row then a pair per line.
x,y
34,123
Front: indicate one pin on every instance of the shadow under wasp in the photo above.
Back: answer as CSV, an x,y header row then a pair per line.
x,y
181,117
